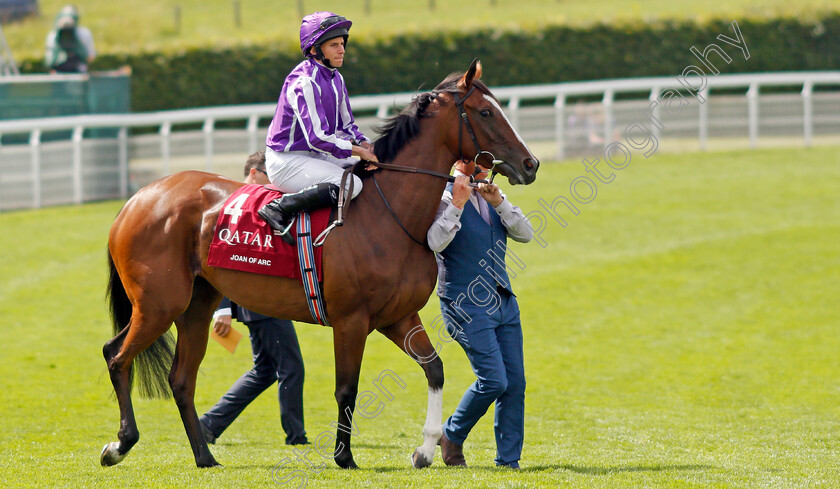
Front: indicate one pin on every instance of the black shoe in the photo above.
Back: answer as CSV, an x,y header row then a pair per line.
x,y
298,441
274,214
209,437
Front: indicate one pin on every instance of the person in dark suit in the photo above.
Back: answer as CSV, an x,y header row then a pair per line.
x,y
276,352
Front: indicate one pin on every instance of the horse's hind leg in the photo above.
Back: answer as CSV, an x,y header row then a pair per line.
x,y
141,333
114,452
193,329
410,336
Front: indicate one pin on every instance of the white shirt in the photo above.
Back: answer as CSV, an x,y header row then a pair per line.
x,y
448,220
84,36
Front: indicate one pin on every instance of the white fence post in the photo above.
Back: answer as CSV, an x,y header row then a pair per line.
x,y
752,108
560,125
122,138
35,148
78,132
703,112
609,98
513,112
165,133
808,112
209,124
655,112
253,121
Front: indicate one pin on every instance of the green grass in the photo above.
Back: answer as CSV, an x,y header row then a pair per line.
x,y
680,332
123,26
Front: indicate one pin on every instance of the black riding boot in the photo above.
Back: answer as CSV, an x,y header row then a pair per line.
x,y
280,213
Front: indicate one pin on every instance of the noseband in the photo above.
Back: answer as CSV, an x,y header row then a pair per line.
x,y
463,119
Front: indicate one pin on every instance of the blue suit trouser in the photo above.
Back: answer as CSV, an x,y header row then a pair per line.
x,y
492,340
277,358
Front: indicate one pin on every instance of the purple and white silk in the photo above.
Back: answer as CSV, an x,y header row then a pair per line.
x,y
313,113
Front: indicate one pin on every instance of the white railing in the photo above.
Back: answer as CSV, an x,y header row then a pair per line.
x,y
538,100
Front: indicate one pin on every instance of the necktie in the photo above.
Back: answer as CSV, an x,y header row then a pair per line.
x,y
483,210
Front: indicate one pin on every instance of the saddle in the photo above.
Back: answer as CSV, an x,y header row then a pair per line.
x,y
243,241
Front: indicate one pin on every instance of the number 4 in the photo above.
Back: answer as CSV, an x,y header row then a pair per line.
x,y
235,208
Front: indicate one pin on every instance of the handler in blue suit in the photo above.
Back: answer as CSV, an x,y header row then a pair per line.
x,y
469,237
276,352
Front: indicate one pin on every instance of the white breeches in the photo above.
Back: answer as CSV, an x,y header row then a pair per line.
x,y
293,171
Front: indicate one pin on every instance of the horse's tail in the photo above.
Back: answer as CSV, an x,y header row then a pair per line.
x,y
153,363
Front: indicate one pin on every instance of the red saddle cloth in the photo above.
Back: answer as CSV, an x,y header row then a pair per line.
x,y
243,241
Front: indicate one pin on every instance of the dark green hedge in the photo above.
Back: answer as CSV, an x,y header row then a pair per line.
x,y
254,74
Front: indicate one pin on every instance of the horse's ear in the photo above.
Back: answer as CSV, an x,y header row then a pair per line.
x,y
472,74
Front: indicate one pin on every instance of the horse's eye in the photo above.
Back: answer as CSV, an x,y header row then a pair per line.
x,y
485,113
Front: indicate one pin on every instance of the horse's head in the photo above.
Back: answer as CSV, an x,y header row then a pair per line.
x,y
470,125
483,132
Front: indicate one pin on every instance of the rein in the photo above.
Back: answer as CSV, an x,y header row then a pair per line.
x,y
411,169
344,203
449,178
394,214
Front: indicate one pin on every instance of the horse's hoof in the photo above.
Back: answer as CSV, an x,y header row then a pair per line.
x,y
110,454
346,464
418,460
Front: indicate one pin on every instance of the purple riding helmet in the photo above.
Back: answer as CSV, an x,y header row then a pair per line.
x,y
320,27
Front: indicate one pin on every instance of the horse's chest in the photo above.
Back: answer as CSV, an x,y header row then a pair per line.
x,y
417,278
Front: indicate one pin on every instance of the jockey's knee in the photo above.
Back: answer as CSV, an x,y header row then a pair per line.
x,y
357,186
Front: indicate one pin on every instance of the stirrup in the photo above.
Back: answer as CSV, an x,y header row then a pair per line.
x,y
319,241
286,233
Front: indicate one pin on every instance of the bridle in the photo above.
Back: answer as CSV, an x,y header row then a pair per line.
x,y
463,119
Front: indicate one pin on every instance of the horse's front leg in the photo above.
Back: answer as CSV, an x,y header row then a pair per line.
x,y
349,345
410,336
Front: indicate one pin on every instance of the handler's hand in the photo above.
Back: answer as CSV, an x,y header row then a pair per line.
x,y
222,325
461,191
491,193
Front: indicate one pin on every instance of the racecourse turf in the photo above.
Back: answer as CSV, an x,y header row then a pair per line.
x,y
680,331
187,24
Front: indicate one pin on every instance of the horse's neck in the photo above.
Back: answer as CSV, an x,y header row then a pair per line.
x,y
415,197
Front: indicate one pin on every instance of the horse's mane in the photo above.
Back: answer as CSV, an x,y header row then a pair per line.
x,y
398,130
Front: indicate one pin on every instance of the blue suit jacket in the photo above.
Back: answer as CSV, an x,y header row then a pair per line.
x,y
240,313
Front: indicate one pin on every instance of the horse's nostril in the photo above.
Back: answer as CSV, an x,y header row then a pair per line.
x,y
531,163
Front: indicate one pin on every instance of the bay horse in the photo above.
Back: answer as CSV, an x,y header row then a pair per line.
x,y
376,274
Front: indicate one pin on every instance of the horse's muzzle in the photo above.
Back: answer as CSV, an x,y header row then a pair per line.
x,y
531,166
524,175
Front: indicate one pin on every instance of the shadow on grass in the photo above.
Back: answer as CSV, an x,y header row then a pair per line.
x,y
573,468
389,446
491,468
615,470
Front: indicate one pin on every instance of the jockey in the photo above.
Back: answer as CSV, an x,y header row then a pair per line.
x,y
313,135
